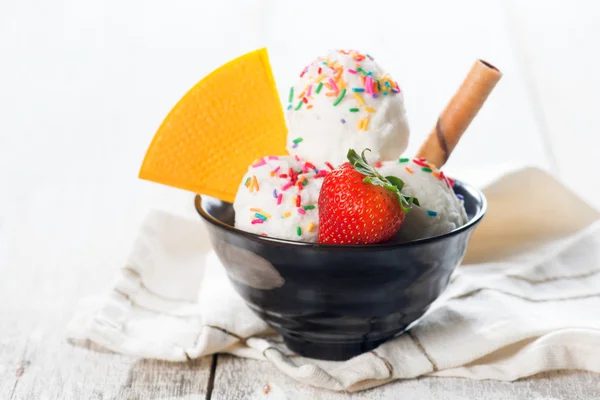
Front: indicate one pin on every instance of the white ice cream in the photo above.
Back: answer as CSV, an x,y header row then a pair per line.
x,y
346,100
278,205
441,211
342,101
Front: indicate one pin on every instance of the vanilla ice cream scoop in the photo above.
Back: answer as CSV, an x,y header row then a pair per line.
x,y
346,100
440,211
278,197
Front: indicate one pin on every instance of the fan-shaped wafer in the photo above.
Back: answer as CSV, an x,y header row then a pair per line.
x,y
229,119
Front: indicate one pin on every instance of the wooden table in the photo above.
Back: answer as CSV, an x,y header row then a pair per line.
x,y
83,86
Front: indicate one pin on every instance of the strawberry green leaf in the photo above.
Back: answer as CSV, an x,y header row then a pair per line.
x,y
395,181
373,177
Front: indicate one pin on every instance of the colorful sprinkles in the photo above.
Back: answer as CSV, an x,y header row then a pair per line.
x,y
363,124
421,162
340,97
428,168
358,98
333,85
299,177
260,216
327,73
319,87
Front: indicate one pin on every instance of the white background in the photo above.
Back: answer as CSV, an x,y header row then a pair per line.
x,y
84,85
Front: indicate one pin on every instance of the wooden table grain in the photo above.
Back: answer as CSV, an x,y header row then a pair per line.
x,y
83,86
232,382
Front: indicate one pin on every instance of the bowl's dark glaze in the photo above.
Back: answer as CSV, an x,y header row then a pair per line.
x,y
334,302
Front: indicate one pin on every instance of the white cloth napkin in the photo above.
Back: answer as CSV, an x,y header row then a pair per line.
x,y
511,315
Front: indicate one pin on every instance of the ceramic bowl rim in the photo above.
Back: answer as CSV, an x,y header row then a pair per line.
x,y
338,247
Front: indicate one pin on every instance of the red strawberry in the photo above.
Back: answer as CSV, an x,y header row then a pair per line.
x,y
357,205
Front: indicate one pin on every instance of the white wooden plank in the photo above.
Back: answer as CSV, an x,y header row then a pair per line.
x,y
250,379
12,362
558,47
46,367
62,248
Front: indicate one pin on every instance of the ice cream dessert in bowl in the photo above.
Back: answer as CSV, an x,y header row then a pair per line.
x,y
331,234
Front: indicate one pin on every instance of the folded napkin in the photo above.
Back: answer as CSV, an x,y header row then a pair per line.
x,y
513,314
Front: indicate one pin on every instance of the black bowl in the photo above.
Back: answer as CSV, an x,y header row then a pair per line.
x,y
333,302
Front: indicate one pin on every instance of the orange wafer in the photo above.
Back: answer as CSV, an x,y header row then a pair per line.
x,y
225,122
459,113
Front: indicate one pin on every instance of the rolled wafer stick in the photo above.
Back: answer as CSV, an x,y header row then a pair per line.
x,y
459,113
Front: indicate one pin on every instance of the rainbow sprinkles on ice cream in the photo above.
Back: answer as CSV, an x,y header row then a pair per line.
x,y
346,100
